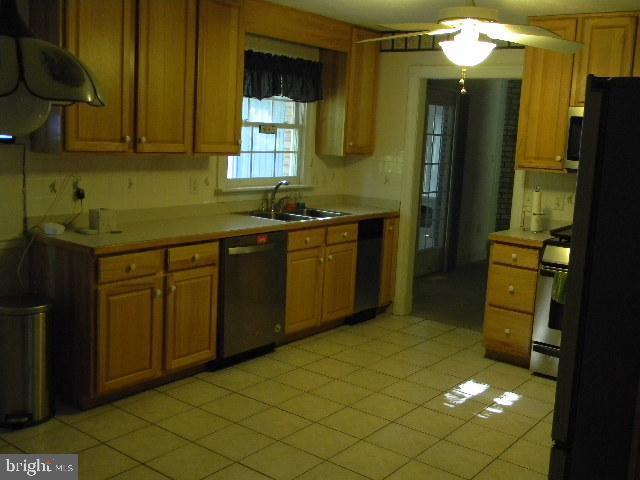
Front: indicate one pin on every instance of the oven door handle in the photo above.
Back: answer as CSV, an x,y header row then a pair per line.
x,y
547,350
550,271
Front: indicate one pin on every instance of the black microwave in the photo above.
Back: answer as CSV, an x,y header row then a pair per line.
x,y
572,158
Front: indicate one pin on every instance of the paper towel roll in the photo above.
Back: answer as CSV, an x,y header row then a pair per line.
x,y
536,201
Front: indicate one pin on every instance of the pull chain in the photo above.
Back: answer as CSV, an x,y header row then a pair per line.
x,y
463,75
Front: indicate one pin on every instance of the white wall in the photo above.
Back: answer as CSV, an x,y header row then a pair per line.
x,y
487,100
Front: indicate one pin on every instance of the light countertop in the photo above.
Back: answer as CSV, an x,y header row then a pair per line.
x,y
158,233
522,237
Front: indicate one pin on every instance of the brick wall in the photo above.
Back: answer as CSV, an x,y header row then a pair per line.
x,y
507,164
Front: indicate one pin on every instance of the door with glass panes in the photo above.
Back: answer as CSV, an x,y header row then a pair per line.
x,y
435,190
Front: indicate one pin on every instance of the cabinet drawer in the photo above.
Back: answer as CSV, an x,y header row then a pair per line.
x,y
121,267
516,256
508,332
512,288
190,256
313,237
342,233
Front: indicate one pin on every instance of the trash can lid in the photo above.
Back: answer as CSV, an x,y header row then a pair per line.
x,y
24,305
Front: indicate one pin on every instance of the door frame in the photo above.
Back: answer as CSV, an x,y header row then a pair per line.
x,y
412,157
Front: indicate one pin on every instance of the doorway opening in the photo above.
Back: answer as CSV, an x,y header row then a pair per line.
x,y
468,158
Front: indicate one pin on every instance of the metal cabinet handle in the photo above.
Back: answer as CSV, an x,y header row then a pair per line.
x,y
321,260
131,268
391,228
507,332
345,234
330,257
172,289
196,257
514,257
126,139
142,140
158,293
512,289
558,158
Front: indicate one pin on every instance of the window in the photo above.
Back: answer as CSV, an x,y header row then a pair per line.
x,y
272,140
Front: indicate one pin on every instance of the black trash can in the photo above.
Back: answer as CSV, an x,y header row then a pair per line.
x,y
25,361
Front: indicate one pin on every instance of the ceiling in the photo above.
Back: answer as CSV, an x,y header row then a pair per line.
x,y
374,12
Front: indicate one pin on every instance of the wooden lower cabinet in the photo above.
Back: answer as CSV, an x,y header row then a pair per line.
x,y
191,316
305,271
389,259
130,317
511,294
339,281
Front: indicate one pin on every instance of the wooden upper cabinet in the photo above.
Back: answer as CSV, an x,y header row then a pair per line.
x,y
191,317
608,51
636,60
129,333
101,33
361,94
546,87
220,76
166,75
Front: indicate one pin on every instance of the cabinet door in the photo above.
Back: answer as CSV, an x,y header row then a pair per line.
x,y
608,50
166,75
129,333
192,303
220,76
362,93
546,86
339,281
305,270
101,33
389,256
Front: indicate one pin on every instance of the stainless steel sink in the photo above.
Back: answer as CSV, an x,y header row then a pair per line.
x,y
321,213
281,216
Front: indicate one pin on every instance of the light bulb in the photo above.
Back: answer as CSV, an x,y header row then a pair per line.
x,y
465,49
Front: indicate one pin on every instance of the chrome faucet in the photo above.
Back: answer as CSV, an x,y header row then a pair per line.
x,y
272,200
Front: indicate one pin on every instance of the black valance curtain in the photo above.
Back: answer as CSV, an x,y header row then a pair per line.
x,y
267,75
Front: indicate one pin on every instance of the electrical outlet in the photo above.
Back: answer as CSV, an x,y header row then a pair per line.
x,y
558,202
193,185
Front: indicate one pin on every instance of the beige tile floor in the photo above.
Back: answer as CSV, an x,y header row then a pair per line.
x,y
394,398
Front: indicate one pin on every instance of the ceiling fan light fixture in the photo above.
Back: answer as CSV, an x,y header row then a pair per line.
x,y
465,49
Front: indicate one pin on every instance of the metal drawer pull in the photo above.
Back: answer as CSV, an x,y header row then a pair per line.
x,y
195,257
131,268
307,240
514,257
345,234
507,332
172,289
512,289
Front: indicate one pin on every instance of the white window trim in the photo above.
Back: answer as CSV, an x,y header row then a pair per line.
x,y
301,181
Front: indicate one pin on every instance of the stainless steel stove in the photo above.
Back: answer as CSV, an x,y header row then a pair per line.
x,y
549,310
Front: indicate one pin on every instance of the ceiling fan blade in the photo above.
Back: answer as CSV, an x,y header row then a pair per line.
x,y
432,28
530,36
392,37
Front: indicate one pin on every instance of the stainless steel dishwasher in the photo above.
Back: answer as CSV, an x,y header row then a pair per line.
x,y
254,277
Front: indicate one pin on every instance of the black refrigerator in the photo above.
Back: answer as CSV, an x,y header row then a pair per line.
x,y
596,425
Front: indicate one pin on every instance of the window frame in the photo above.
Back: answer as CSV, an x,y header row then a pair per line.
x,y
262,183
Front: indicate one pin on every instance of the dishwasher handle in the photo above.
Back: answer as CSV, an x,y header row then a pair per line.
x,y
250,249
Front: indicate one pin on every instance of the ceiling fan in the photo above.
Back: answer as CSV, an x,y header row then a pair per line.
x,y
466,50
